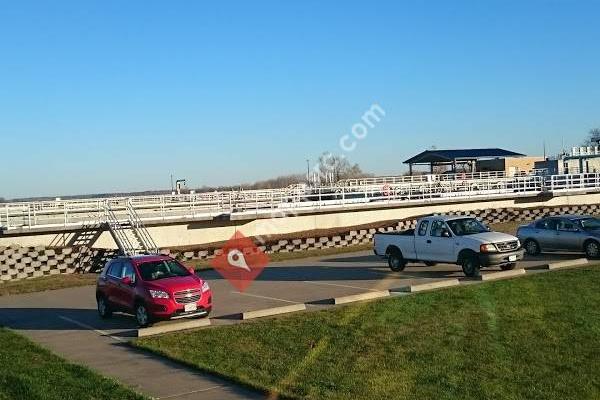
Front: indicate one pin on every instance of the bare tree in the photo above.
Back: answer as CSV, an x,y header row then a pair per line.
x,y
333,167
593,138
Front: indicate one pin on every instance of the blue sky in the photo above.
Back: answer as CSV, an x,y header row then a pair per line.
x,y
103,96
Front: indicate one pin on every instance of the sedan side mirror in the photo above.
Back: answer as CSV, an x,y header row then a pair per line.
x,y
446,233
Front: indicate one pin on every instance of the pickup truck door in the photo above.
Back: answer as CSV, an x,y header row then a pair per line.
x,y
422,247
440,248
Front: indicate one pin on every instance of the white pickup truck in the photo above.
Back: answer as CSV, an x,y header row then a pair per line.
x,y
449,239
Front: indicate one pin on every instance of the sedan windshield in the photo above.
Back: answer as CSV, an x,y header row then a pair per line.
x,y
590,224
155,270
466,226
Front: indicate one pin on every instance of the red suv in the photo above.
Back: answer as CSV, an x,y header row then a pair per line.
x,y
152,287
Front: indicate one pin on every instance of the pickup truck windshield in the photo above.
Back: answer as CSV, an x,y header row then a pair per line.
x,y
155,270
466,226
590,224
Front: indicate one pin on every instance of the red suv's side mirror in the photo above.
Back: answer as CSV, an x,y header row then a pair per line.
x,y
126,280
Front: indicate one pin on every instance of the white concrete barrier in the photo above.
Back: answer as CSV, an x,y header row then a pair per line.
x,y
501,275
273,311
420,287
568,264
361,297
173,327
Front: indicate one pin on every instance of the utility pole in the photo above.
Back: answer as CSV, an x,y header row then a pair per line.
x,y
544,144
171,183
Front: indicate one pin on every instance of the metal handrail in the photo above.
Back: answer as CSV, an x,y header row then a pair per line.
x,y
116,228
140,230
72,213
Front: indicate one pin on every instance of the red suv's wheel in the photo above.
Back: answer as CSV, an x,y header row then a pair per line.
x,y
141,315
103,307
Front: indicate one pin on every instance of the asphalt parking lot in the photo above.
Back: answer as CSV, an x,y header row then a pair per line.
x,y
66,320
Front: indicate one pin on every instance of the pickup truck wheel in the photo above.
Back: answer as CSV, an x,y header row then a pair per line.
x,y
470,266
508,267
396,261
592,249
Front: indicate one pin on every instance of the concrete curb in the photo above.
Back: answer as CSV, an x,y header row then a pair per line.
x,y
566,264
273,311
501,275
173,327
428,286
360,297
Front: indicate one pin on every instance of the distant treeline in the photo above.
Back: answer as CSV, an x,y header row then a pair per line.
x,y
341,168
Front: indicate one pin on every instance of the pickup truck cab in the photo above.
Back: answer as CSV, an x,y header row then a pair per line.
x,y
449,239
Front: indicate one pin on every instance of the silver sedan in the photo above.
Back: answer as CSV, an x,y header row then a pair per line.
x,y
579,233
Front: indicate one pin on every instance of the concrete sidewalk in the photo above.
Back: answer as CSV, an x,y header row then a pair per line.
x,y
76,335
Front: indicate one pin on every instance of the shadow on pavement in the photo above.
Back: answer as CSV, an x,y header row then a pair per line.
x,y
367,258
313,273
66,319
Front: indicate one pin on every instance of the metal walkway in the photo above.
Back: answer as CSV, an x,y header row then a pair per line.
x,y
350,195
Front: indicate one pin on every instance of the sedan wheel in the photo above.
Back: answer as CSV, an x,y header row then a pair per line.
x,y
532,248
592,249
141,315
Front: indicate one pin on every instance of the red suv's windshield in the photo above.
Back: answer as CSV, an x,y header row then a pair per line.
x,y
154,270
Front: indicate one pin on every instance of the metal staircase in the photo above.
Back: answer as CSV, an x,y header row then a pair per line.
x,y
128,232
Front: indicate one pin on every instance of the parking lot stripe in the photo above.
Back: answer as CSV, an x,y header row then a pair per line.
x,y
91,328
265,297
340,285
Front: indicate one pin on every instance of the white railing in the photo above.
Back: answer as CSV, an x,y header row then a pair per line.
x,y
382,180
205,206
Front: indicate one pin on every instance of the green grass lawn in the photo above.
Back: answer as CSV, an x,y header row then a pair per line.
x,y
536,337
43,283
29,372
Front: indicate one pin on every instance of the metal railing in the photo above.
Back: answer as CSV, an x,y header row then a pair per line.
x,y
145,239
382,180
205,206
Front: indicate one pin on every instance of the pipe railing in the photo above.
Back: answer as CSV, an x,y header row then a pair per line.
x,y
72,213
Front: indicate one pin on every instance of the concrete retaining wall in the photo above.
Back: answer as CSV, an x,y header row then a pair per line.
x,y
18,262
